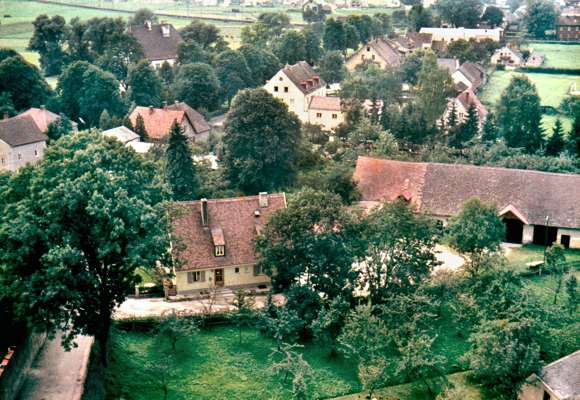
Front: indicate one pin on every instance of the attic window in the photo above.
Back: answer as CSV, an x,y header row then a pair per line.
x,y
220,251
166,31
280,79
368,49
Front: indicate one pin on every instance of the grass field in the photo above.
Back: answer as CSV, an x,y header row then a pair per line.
x,y
551,88
519,256
558,55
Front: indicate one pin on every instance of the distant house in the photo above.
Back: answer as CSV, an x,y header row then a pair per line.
x,y
380,51
198,121
43,118
462,104
158,121
559,380
449,35
159,42
508,56
128,138
536,207
21,142
450,64
568,28
412,41
469,76
295,85
326,112
534,60
213,242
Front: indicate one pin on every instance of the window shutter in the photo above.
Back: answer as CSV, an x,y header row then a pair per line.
x,y
202,276
190,277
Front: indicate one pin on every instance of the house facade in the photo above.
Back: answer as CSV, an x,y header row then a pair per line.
x,y
379,51
568,28
559,380
536,207
159,41
462,103
213,242
449,35
295,85
21,143
326,112
507,56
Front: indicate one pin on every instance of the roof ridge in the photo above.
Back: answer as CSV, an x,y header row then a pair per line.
x,y
231,199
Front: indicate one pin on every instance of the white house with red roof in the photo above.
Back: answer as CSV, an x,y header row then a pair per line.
x,y
21,142
326,112
213,242
462,103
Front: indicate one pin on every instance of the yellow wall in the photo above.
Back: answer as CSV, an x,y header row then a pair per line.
x,y
245,276
365,54
325,120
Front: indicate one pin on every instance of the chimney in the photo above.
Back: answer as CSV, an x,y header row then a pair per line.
x,y
148,25
165,105
263,199
151,109
165,29
176,102
43,107
204,214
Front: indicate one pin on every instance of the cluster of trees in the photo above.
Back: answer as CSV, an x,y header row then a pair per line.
x,y
324,253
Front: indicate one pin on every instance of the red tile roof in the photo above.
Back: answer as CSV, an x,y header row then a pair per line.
x,y
41,117
468,98
325,103
236,218
442,189
304,77
157,121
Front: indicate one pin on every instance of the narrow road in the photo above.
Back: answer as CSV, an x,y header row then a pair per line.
x,y
57,374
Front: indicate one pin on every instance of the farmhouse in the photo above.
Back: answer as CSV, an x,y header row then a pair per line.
x,y
462,103
507,56
159,42
449,35
380,51
213,242
469,76
538,207
450,64
568,28
43,118
158,121
559,380
21,142
295,85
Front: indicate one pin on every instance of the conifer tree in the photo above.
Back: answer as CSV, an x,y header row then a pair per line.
x,y
140,128
490,132
180,171
574,136
127,123
452,118
467,130
105,121
556,142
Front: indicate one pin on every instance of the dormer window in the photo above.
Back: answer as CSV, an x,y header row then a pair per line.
x,y
220,251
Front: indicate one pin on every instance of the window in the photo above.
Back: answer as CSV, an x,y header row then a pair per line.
x,y
546,396
318,115
281,79
35,153
3,161
19,156
220,251
373,56
237,270
368,49
334,116
195,276
285,89
275,88
258,270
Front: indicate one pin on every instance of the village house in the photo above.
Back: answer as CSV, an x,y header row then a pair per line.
x,y
213,242
462,104
449,35
21,142
158,121
159,42
512,57
536,207
326,112
450,64
43,118
412,41
568,28
380,51
295,85
469,76
559,380
128,138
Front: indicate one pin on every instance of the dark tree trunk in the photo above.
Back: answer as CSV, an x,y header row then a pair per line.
x,y
103,338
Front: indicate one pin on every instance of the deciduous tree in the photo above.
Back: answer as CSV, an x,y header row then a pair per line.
x,y
260,142
540,17
493,16
464,13
23,82
198,86
91,215
332,68
144,85
49,40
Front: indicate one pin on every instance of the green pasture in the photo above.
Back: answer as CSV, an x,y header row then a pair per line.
x,y
558,55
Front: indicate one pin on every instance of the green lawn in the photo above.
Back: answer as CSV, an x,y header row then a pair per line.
x,y
519,256
558,55
551,88
213,365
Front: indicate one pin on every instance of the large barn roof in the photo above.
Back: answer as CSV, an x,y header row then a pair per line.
x,y
442,189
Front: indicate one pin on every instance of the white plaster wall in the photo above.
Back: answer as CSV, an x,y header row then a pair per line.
x,y
528,235
325,120
13,158
574,236
245,276
158,63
